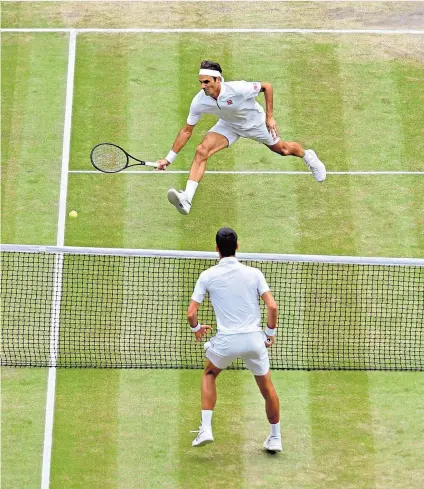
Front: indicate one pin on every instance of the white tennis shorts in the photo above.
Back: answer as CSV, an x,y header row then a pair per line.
x,y
258,133
225,348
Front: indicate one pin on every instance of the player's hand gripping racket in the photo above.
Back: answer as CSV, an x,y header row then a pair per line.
x,y
110,158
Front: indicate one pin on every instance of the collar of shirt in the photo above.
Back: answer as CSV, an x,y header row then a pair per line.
x,y
212,101
228,259
223,90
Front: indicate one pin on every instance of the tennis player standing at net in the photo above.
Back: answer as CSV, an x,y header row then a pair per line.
x,y
234,290
239,116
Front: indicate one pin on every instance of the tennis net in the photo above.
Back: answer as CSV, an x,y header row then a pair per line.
x,y
86,307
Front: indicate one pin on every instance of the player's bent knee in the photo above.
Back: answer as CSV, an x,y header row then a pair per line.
x,y
202,151
211,369
284,150
210,374
280,148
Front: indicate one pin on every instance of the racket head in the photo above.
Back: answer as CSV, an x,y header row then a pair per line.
x,y
109,158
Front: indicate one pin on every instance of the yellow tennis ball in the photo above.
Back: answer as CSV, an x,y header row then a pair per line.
x,y
73,214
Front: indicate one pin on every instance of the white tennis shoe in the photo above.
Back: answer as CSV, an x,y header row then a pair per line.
x,y
179,200
204,437
316,166
273,444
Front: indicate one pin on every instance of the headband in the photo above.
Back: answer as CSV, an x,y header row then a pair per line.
x,y
214,73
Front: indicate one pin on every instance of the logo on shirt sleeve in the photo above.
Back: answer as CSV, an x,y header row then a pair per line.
x,y
229,102
255,86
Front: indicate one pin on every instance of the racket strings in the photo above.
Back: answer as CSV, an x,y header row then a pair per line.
x,y
109,158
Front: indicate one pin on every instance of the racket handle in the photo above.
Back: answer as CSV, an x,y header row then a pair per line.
x,y
151,163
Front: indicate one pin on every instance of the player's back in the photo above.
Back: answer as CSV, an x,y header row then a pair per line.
x,y
234,291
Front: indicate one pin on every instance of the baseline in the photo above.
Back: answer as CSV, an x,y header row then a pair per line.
x,y
250,172
418,32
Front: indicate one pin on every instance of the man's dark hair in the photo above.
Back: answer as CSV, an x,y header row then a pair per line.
x,y
210,65
226,240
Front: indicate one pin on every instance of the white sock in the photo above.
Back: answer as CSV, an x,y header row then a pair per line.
x,y
306,155
207,418
190,189
275,429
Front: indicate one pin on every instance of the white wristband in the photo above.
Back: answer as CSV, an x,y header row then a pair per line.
x,y
196,328
270,331
170,157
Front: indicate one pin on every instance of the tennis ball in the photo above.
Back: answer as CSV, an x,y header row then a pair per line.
x,y
73,214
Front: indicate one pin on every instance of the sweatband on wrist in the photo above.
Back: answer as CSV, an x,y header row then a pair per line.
x,y
170,157
196,328
270,331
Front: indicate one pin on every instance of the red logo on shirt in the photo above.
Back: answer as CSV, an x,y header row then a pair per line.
x,y
229,102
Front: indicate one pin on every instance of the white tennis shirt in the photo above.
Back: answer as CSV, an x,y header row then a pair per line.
x,y
235,105
234,291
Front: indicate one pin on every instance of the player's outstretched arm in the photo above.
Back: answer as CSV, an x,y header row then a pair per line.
x,y
180,141
271,317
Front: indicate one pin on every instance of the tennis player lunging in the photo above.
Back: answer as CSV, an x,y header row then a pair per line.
x,y
239,116
234,290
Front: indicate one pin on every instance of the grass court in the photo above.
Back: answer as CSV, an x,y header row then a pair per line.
x,y
355,98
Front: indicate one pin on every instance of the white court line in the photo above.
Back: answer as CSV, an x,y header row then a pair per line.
x,y
215,31
58,269
206,1
249,172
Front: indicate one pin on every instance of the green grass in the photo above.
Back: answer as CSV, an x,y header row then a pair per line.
x,y
132,429
357,101
33,96
23,403
365,225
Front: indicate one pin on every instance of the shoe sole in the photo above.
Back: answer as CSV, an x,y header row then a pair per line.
x,y
203,443
276,449
273,450
175,201
322,179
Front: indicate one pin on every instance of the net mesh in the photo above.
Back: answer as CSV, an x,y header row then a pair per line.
x,y
91,310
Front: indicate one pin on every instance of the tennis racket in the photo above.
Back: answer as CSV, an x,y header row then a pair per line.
x,y
111,158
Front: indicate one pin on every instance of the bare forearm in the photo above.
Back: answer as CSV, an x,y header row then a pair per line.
x,y
271,317
269,98
271,309
192,314
179,143
192,319
197,329
181,140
